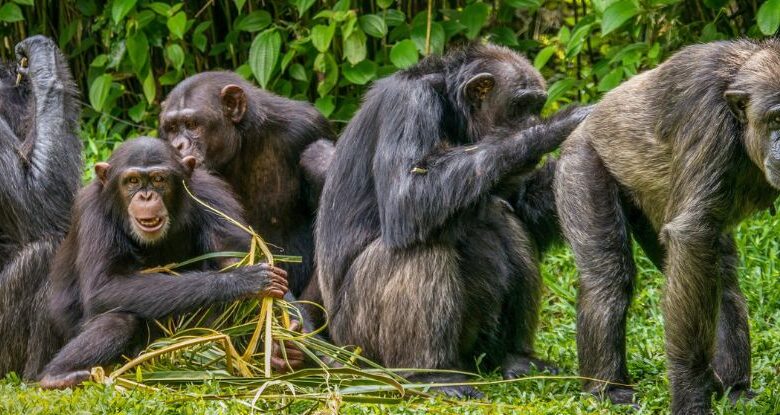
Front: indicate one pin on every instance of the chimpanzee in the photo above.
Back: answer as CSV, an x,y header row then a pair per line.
x,y
254,140
136,215
40,167
676,156
420,259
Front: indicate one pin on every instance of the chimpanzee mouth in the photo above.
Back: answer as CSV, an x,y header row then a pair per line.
x,y
151,225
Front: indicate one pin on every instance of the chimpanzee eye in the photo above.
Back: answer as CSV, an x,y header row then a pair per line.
x,y
133,180
190,124
158,179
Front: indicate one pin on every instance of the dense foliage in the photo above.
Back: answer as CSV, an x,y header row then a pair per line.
x,y
128,53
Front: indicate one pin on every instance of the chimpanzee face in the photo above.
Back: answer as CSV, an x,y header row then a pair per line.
x,y
508,94
148,186
754,100
204,126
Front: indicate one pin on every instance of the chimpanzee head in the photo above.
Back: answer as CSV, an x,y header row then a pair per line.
x,y
496,89
143,182
204,117
754,99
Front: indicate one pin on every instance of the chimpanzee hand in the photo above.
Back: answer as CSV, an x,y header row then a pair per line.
x,y
42,57
272,280
295,357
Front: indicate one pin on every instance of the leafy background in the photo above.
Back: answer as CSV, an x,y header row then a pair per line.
x,y
127,54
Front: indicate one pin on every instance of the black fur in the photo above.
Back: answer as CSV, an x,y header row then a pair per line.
x,y
40,166
421,260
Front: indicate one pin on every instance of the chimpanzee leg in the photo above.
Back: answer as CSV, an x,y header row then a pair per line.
x,y
102,339
594,223
732,351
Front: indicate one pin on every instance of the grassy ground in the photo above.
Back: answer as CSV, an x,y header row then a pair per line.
x,y
758,244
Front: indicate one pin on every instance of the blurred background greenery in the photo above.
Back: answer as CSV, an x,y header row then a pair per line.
x,y
127,54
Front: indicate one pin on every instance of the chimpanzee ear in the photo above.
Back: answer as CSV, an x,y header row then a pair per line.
x,y
233,102
101,171
189,163
738,101
478,87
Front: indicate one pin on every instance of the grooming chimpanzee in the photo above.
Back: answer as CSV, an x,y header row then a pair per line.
x,y
254,140
137,215
420,260
676,156
40,167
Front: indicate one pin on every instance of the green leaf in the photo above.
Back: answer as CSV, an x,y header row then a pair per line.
x,y
373,25
120,9
610,80
355,47
503,35
239,4
321,36
768,17
198,38
25,2
404,54
177,24
326,65
98,91
577,39
297,72
254,22
160,8
326,105
170,78
617,14
384,3
99,61
362,73
10,12
543,56
341,6
524,4
438,38
137,111
394,17
558,89
474,16
149,87
263,55
176,55
302,5
715,4
138,49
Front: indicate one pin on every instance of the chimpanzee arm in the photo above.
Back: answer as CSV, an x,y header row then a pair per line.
x,y
153,296
420,183
46,172
315,162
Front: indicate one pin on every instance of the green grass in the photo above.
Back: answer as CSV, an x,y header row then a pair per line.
x,y
758,245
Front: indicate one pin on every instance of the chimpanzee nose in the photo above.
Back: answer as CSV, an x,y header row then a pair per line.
x,y
182,145
146,196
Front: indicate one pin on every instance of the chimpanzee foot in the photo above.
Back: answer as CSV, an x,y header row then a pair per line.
x,y
64,380
459,392
454,391
737,394
619,395
516,366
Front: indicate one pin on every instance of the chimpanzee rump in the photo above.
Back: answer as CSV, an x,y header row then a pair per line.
x,y
40,167
136,215
421,261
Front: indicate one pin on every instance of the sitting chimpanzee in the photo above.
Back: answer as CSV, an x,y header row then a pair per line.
x,y
421,260
40,171
254,140
137,215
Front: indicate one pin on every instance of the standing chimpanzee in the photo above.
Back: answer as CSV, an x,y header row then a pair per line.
x,y
40,167
420,261
254,140
676,156
137,215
